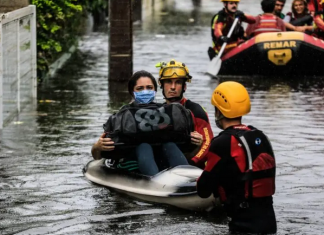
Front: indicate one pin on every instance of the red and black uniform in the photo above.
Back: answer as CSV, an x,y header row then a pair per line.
x,y
241,171
203,127
319,25
314,6
220,26
266,23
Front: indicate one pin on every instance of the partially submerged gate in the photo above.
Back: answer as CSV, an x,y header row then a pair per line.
x,y
18,78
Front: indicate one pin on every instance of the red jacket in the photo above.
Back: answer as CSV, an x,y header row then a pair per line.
x,y
319,22
266,23
319,25
220,26
312,7
203,127
223,22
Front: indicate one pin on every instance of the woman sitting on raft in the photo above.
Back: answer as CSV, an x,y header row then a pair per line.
x,y
142,87
300,16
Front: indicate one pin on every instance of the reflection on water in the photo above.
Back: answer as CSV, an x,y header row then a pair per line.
x,y
42,187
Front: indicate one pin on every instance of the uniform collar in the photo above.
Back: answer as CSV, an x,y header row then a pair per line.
x,y
238,127
183,101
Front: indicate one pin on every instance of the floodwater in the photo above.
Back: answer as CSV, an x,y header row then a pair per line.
x,y
43,190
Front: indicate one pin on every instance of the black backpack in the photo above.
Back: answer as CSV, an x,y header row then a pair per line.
x,y
150,123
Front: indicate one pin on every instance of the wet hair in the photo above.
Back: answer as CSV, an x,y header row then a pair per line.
x,y
293,9
268,5
137,75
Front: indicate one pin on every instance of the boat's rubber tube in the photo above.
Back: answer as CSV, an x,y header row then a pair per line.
x,y
284,54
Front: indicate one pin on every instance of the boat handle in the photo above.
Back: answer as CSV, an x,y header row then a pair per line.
x,y
277,54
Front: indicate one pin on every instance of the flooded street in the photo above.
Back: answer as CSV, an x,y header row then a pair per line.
x,y
42,187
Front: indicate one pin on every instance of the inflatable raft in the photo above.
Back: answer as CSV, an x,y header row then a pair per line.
x,y
284,53
174,186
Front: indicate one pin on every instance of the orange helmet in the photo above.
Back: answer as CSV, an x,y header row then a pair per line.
x,y
231,99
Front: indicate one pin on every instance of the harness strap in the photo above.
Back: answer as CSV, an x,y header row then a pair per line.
x,y
250,169
259,175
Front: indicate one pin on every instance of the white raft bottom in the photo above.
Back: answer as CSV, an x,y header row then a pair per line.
x,y
161,188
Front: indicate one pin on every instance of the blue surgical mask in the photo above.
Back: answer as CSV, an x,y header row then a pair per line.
x,y
144,96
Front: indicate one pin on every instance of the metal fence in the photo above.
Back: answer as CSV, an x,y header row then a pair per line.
x,y
18,78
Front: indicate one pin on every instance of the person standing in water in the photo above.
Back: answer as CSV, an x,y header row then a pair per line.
x,y
241,165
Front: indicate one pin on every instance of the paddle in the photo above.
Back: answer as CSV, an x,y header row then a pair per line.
x,y
216,63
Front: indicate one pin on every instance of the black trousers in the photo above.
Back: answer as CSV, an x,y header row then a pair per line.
x,y
255,218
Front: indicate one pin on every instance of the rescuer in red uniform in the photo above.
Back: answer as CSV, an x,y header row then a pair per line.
x,y
267,22
240,166
173,78
221,24
319,23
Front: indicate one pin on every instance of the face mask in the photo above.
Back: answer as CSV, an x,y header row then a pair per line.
x,y
217,121
144,96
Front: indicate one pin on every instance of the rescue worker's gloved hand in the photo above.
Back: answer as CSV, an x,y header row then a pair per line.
x,y
240,15
224,38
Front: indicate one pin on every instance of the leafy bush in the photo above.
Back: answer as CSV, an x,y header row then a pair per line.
x,y
59,23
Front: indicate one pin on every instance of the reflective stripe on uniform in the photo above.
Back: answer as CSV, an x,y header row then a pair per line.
x,y
215,19
228,46
267,30
273,21
267,23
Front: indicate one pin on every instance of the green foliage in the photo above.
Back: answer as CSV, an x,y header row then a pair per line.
x,y
59,23
96,5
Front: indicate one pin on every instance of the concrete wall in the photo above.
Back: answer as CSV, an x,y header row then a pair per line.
x,y
10,5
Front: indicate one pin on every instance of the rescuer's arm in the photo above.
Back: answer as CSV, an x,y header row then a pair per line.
x,y
204,129
308,27
249,19
288,26
319,22
251,27
245,17
218,29
209,179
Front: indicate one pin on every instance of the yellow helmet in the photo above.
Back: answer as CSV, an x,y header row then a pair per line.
x,y
232,99
173,69
230,0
